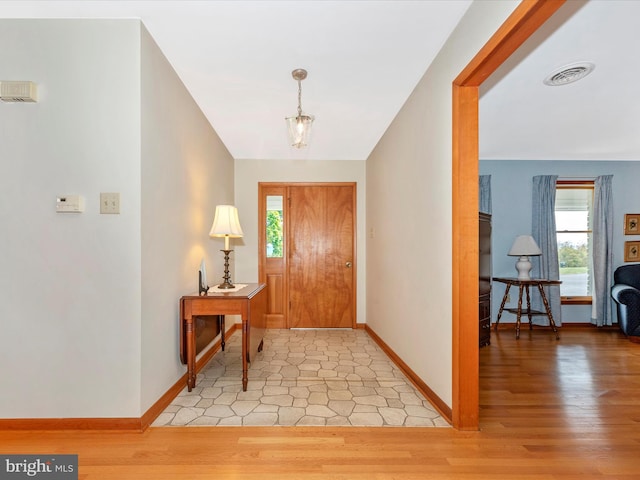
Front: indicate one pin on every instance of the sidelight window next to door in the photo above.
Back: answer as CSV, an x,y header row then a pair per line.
x,y
272,260
275,228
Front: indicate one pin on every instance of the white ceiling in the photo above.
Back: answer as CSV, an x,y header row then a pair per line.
x,y
365,57
235,57
596,118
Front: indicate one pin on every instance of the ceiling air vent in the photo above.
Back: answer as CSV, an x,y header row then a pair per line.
x,y
569,74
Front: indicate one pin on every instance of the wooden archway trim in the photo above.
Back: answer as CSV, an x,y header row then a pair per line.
x,y
523,22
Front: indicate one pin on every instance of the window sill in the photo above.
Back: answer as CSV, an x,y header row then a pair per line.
x,y
575,300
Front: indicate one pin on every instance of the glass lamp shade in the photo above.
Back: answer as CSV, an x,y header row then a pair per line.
x,y
299,130
226,224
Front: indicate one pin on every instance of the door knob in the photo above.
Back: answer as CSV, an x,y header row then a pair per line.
x,y
348,264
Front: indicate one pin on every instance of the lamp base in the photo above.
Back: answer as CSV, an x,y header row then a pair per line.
x,y
523,266
227,278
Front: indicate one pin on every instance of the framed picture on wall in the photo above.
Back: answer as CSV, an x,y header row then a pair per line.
x,y
632,224
632,251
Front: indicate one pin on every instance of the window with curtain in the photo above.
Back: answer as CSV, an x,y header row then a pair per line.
x,y
574,231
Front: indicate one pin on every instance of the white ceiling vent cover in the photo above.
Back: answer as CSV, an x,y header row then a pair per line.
x,y
569,74
18,92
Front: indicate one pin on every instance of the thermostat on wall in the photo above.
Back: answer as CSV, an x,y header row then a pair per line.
x,y
70,204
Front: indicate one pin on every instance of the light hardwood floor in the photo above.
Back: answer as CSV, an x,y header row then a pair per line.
x,y
565,410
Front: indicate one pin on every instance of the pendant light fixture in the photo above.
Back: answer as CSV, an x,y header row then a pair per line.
x,y
299,125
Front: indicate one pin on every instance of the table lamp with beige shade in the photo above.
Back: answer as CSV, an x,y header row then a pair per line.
x,y
226,224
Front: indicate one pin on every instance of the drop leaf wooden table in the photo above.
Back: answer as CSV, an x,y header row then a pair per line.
x,y
250,302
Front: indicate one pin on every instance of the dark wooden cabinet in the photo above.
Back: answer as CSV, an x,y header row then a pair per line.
x,y
485,279
485,320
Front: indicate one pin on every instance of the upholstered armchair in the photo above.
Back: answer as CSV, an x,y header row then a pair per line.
x,y
626,293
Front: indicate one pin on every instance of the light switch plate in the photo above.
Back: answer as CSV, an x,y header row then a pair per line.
x,y
110,203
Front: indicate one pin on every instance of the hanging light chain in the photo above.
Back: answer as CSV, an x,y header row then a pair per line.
x,y
299,74
299,97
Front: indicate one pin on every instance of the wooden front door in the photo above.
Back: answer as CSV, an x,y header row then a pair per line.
x,y
321,256
315,278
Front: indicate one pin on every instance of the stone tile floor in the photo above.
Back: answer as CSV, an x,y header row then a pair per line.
x,y
303,377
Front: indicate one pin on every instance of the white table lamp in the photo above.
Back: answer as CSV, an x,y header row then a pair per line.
x,y
524,246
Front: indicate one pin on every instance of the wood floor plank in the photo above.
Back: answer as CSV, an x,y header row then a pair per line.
x,y
549,410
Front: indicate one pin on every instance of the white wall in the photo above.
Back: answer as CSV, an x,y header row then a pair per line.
x,y
511,218
70,283
248,173
186,172
409,207
90,302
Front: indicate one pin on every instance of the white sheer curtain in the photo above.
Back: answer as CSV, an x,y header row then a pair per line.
x,y
543,229
602,251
